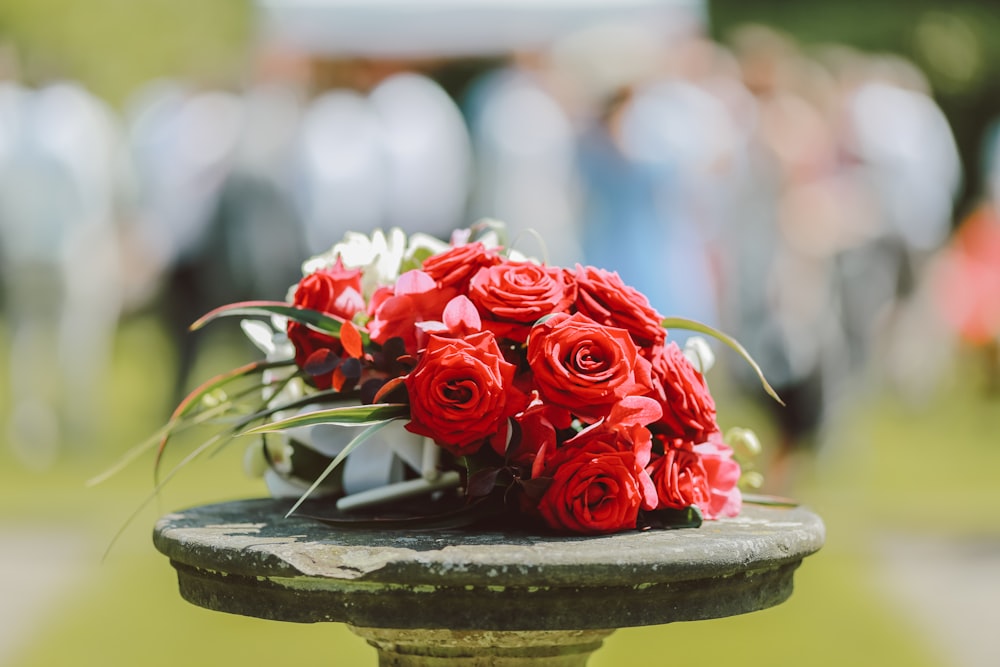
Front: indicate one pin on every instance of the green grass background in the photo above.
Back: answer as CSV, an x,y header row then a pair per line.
x,y
892,469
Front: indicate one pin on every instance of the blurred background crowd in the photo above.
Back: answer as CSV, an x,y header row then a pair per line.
x,y
821,183
797,196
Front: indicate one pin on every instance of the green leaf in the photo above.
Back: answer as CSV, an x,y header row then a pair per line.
x,y
693,325
193,399
770,501
351,446
346,416
460,517
688,517
314,318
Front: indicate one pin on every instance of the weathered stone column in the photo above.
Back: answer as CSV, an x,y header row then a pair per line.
x,y
483,648
475,598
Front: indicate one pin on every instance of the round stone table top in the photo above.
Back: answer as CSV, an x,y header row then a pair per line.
x,y
246,558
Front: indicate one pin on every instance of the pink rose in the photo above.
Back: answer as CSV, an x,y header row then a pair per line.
x,y
414,298
688,406
512,296
605,298
680,478
723,474
462,393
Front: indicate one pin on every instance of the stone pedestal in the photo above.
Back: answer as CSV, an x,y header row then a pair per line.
x,y
478,598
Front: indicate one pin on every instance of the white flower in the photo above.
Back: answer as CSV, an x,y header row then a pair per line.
x,y
699,353
382,257
256,461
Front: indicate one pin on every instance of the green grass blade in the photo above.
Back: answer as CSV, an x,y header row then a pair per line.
x,y
769,501
693,325
131,455
194,454
154,439
345,416
194,398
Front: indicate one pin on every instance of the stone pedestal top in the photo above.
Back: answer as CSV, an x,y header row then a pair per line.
x,y
245,558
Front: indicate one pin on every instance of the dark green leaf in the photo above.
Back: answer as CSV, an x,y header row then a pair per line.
x,y
321,362
465,515
689,517
535,488
314,318
482,482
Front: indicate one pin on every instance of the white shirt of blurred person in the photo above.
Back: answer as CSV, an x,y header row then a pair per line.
x,y
398,156
182,144
908,161
524,147
649,181
60,170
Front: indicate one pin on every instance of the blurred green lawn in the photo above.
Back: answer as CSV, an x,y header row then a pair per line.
x,y
893,469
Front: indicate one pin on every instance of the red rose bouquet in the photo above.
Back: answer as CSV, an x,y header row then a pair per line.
x,y
546,395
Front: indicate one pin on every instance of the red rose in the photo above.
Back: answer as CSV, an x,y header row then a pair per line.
x,y
624,428
597,485
688,406
585,367
723,474
462,393
514,295
599,478
605,298
456,266
680,478
538,433
395,313
335,291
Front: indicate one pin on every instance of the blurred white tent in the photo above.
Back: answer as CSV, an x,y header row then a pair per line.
x,y
456,28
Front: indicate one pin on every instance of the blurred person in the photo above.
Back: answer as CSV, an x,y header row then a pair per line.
x,y
388,149
683,125
428,156
901,148
182,146
59,180
525,155
255,230
623,228
341,183
965,274
792,213
643,158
